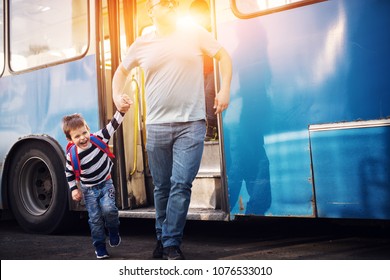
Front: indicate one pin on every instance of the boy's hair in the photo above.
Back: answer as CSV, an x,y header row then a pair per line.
x,y
72,122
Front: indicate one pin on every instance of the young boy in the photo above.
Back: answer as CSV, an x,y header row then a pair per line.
x,y
95,180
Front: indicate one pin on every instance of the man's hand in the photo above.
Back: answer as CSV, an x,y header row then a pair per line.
x,y
221,101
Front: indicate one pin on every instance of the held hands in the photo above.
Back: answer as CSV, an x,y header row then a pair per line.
x,y
123,103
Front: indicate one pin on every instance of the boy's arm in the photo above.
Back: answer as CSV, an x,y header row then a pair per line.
x,y
70,177
69,173
106,133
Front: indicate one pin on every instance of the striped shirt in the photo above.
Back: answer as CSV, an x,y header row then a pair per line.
x,y
95,165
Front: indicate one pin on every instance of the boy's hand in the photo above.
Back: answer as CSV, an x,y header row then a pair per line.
x,y
77,195
123,103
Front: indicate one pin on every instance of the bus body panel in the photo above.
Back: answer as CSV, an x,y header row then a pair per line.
x,y
34,103
321,63
351,171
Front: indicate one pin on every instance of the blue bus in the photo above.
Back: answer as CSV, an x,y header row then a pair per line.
x,y
306,134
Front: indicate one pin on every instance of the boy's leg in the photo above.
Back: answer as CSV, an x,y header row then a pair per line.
x,y
96,222
110,212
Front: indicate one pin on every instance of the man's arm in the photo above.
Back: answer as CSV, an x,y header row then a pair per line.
x,y
222,98
118,83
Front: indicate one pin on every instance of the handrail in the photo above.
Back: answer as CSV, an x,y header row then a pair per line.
x,y
143,100
136,124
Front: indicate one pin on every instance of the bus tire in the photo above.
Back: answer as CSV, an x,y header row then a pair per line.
x,y
38,191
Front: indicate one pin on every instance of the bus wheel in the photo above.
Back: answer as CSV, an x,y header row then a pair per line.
x,y
38,192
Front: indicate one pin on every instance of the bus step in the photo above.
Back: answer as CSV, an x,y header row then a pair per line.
x,y
206,191
193,214
211,158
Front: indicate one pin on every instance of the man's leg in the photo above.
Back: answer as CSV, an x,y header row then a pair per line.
x,y
187,155
159,149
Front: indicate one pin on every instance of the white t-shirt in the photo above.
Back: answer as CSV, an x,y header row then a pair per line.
x,y
173,67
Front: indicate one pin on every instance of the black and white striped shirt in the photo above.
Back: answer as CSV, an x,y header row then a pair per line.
x,y
95,165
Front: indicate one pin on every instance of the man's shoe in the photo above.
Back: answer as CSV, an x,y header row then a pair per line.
x,y
115,238
101,252
158,251
173,253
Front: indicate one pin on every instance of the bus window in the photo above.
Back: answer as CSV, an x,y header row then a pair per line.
x,y
250,8
254,6
1,38
45,32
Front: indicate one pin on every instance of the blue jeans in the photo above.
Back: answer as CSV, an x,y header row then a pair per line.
x,y
174,154
102,210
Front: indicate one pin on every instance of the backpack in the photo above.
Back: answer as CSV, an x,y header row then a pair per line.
x,y
71,149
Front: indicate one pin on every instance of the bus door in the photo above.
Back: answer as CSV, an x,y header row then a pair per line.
x,y
116,30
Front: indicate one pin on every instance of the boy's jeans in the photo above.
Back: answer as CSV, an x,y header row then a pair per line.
x,y
102,210
174,154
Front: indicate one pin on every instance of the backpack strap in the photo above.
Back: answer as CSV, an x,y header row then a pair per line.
x,y
101,145
74,160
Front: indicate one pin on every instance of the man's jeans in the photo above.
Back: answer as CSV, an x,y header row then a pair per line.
x,y
102,211
174,154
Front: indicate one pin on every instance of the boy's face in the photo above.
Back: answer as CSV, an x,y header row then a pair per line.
x,y
80,137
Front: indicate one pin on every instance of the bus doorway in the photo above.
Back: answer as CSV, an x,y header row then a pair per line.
x,y
117,30
208,200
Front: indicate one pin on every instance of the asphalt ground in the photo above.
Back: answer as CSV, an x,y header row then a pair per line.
x,y
259,239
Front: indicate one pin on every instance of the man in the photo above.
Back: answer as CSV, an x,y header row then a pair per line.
x,y
172,60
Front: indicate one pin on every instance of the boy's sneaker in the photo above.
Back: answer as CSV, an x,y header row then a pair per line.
x,y
158,251
115,238
101,252
173,253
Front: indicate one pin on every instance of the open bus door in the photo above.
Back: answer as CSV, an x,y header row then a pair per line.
x,y
117,31
127,19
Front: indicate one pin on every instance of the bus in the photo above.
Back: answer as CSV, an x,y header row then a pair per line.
x,y
306,134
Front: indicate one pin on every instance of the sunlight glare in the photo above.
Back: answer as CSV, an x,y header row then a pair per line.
x,y
186,21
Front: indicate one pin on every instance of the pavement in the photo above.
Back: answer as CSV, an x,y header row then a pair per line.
x,y
267,239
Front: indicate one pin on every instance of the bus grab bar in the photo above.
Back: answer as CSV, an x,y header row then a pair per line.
x,y
136,124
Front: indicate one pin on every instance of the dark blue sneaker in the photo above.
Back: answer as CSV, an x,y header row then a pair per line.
x,y
101,252
173,253
158,251
115,238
